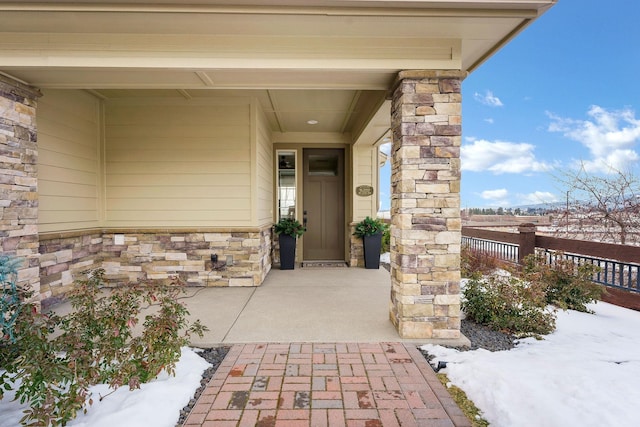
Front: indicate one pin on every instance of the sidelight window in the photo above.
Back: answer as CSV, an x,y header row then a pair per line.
x,y
286,184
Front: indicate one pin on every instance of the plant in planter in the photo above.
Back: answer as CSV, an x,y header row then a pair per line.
x,y
370,230
288,230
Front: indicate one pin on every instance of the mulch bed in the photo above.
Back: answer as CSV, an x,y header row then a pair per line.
x,y
215,356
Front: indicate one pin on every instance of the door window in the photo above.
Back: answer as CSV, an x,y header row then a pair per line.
x,y
323,165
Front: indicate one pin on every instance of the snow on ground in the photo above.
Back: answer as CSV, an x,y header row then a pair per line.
x,y
586,373
157,403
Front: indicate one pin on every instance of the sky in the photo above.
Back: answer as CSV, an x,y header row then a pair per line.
x,y
564,93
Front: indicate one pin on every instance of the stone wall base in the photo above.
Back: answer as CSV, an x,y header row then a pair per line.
x,y
135,256
63,258
357,248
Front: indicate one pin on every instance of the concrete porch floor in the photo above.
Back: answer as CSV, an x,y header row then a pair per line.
x,y
310,304
302,305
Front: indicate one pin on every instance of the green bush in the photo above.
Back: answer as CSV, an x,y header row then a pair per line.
x,y
93,344
386,240
290,227
508,304
567,284
369,227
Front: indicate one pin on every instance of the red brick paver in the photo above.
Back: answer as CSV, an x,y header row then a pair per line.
x,y
344,384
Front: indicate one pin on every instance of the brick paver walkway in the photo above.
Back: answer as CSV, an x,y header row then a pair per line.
x,y
351,385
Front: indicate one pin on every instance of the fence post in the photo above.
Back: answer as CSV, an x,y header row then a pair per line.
x,y
527,240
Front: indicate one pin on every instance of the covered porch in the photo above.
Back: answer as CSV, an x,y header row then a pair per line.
x,y
144,136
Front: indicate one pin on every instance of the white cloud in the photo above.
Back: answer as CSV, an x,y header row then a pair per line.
x,y
489,120
500,193
610,136
496,197
537,197
500,157
488,98
616,160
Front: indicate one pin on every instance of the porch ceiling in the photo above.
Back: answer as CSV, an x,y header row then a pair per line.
x,y
288,110
325,60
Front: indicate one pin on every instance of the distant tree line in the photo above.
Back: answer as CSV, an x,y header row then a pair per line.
x,y
506,211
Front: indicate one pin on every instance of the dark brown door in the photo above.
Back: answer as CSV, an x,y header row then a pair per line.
x,y
323,188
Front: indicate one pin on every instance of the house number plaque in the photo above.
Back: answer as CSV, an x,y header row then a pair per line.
x,y
364,190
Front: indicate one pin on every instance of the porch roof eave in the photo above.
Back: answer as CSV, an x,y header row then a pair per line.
x,y
329,44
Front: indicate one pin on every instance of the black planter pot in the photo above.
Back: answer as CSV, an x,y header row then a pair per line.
x,y
372,246
287,251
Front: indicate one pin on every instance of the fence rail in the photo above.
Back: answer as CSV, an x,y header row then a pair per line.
x,y
612,273
500,250
616,262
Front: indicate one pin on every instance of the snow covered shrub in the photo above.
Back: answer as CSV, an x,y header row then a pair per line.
x,y
508,304
95,344
567,284
474,263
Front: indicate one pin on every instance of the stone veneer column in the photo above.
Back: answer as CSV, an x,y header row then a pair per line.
x,y
19,179
425,204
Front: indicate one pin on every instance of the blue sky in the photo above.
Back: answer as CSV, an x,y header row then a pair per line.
x,y
563,93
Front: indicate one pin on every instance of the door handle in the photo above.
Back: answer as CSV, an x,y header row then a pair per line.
x,y
304,218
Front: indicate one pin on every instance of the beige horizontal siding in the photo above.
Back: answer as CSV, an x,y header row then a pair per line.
x,y
215,158
174,162
264,150
216,218
64,189
365,174
170,136
167,204
56,144
203,183
59,160
68,160
66,174
179,192
64,220
57,203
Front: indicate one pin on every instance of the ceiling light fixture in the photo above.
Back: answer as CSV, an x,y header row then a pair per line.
x,y
312,122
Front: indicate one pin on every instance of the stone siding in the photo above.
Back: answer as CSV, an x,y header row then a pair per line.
x,y
19,178
425,205
159,255
63,257
356,248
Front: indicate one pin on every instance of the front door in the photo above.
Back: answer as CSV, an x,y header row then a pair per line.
x,y
323,210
